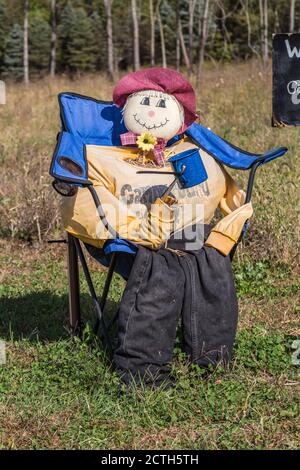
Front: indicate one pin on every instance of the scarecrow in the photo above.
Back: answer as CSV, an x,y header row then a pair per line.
x,y
182,267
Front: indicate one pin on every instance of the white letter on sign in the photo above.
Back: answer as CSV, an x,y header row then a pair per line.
x,y
291,52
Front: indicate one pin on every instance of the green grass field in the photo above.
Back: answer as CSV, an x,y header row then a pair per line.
x,y
57,393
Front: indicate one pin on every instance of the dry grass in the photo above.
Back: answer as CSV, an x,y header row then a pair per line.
x,y
235,101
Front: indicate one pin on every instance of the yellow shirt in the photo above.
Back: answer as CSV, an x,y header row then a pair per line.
x,y
132,206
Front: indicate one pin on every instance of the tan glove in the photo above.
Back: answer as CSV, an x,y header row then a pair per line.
x,y
226,233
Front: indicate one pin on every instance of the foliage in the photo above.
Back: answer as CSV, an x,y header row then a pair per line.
x,y
3,30
234,31
39,44
13,58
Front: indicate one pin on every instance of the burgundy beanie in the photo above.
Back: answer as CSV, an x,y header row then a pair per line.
x,y
159,79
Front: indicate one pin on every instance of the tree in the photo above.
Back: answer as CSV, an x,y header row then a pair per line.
x,y
162,39
183,47
110,44
25,44
152,33
192,5
263,9
81,48
98,27
53,38
203,38
3,30
39,44
13,58
292,15
136,41
177,36
77,40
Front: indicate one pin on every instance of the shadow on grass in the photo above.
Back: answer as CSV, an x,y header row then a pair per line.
x,y
43,315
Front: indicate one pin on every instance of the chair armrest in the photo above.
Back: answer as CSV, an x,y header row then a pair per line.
x,y
69,163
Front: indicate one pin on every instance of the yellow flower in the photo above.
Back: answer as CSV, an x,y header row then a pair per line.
x,y
146,141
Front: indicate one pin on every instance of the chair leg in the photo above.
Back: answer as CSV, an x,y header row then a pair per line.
x,y
108,280
74,288
106,339
248,199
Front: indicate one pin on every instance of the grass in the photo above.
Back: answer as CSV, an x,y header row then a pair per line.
x,y
57,393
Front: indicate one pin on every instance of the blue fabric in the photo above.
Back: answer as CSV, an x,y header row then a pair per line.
x,y
119,244
71,147
225,152
194,169
94,122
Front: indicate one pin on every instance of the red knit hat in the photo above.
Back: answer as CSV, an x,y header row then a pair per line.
x,y
159,79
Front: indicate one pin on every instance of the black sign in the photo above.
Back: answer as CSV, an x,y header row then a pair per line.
x,y
286,80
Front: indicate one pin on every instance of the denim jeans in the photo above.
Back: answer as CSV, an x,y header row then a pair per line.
x,y
164,285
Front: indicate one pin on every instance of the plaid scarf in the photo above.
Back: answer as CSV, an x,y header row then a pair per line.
x,y
129,138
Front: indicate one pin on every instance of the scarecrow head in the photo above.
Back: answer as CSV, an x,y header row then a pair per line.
x,y
156,100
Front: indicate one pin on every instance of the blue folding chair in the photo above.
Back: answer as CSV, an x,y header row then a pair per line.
x,y
86,121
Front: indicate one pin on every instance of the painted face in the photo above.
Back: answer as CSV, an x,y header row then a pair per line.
x,y
155,112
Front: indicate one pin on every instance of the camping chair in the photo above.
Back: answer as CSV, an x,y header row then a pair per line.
x,y
88,121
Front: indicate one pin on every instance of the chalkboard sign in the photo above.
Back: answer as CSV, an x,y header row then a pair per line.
x,y
286,80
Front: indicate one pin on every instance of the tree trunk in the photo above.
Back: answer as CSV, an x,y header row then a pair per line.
x,y
277,22
192,4
203,38
152,31
183,47
177,37
245,5
25,43
53,39
162,41
292,15
266,30
136,41
110,44
263,14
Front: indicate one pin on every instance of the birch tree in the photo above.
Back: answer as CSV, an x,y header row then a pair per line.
x,y
192,5
136,40
245,6
25,42
152,33
177,36
263,14
265,33
110,44
183,46
292,15
203,37
162,40
53,38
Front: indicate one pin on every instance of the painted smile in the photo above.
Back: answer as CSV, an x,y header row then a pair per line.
x,y
150,128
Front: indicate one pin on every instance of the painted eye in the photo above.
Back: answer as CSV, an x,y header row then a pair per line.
x,y
161,104
145,101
